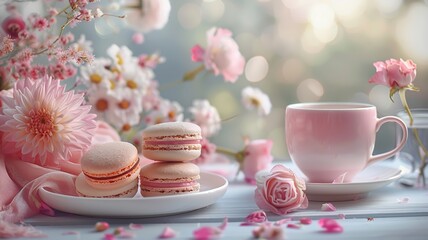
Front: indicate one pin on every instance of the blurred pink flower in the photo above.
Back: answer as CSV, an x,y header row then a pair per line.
x,y
394,73
137,38
330,225
257,156
43,124
207,151
221,55
268,231
208,232
12,25
206,116
147,15
281,191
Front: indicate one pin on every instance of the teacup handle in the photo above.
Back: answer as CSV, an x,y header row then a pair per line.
x,y
388,154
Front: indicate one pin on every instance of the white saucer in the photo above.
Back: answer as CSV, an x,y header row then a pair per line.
x,y
371,178
213,187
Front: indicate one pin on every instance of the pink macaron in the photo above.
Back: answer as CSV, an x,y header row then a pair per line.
x,y
172,141
169,178
111,165
83,189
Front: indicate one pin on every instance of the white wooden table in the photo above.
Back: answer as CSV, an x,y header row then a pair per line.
x,y
390,218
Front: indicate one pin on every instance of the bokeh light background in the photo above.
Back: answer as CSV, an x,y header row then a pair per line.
x,y
296,51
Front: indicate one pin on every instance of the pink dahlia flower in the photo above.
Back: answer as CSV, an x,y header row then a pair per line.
x,y
44,124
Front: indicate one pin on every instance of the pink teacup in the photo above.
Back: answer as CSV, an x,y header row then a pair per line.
x,y
328,141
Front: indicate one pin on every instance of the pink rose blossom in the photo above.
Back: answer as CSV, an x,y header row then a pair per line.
x,y
257,157
281,191
330,225
222,55
394,73
13,25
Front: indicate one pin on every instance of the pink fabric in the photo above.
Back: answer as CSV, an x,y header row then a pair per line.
x,y
21,181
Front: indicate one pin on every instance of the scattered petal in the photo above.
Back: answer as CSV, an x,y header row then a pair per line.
x,y
109,236
403,200
370,219
168,233
256,217
119,230
330,225
223,224
282,221
135,226
268,231
340,179
342,216
101,226
206,232
328,207
306,220
293,225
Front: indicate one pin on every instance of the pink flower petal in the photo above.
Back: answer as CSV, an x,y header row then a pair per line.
x,y
168,233
223,225
305,220
328,207
198,53
207,232
135,226
342,216
268,231
282,221
101,226
330,225
138,38
256,217
109,236
293,225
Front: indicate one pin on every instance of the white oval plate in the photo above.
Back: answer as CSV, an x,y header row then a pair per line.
x,y
213,187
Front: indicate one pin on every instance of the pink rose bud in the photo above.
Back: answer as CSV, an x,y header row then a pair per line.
x,y
394,73
281,191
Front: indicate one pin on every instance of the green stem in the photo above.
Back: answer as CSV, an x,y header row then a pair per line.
x,y
227,152
192,74
402,93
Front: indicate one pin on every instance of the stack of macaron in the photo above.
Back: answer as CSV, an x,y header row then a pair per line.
x,y
172,146
109,170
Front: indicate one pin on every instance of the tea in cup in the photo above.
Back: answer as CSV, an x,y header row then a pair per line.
x,y
328,141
